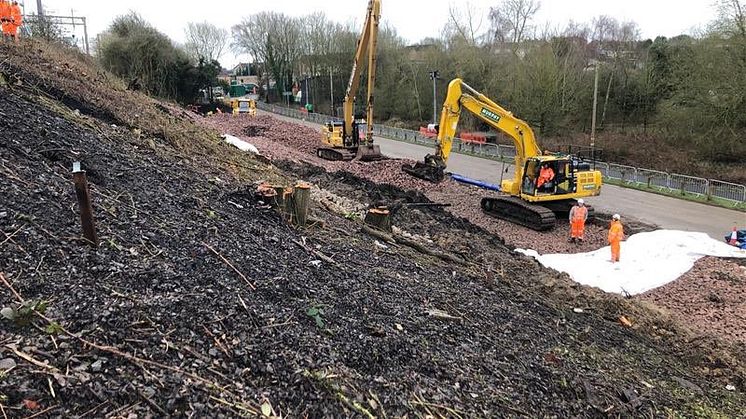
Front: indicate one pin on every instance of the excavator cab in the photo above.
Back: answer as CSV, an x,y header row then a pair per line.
x,y
346,147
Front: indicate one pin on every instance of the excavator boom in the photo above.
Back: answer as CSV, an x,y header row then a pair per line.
x,y
346,140
433,169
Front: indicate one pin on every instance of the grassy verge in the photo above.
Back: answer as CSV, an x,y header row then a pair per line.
x,y
714,201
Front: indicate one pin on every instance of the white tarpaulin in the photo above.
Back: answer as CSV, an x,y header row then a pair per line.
x,y
240,144
648,260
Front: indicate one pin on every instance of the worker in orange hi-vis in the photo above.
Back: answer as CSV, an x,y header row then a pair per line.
x,y
5,16
616,235
578,217
546,175
16,17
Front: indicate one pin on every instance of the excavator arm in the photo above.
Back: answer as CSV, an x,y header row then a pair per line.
x,y
488,111
346,140
366,49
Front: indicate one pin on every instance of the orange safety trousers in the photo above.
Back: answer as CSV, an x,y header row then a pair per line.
x,y
615,249
577,229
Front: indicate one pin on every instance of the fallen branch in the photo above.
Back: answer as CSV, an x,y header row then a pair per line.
x,y
316,253
388,238
152,404
395,238
10,287
37,414
28,358
227,262
10,238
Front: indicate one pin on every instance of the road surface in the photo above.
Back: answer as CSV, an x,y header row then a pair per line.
x,y
664,211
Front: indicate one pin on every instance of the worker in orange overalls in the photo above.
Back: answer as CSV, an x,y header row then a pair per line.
x,y
16,17
546,175
5,15
616,234
578,217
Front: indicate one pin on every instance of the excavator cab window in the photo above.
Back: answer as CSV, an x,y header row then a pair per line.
x,y
563,177
530,174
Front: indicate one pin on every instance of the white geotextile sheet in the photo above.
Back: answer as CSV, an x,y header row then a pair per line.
x,y
240,144
648,260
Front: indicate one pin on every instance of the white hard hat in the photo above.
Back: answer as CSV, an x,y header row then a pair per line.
x,y
616,216
581,202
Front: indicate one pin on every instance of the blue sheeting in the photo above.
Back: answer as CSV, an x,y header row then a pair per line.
x,y
479,183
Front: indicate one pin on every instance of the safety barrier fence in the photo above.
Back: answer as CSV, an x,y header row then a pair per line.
x,y
669,183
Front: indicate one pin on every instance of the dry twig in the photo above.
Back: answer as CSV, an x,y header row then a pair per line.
x,y
227,262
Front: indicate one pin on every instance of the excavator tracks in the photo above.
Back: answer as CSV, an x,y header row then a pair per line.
x,y
336,154
518,211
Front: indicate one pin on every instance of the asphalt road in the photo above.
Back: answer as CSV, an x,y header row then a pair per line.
x,y
665,212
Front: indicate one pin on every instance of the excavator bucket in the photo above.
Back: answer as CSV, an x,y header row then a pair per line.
x,y
425,171
369,153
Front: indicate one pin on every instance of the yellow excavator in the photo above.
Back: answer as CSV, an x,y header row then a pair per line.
x,y
543,184
352,139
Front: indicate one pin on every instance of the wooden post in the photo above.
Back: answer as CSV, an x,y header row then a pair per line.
x,y
379,218
300,199
84,201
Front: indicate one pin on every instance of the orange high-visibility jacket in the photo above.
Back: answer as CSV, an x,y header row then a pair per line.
x,y
545,175
578,213
16,14
4,10
616,232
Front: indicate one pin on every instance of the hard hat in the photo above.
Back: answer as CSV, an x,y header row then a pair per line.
x,y
581,202
616,216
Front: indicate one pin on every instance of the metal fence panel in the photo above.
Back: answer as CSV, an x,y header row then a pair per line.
x,y
687,184
603,168
622,172
506,151
652,178
726,190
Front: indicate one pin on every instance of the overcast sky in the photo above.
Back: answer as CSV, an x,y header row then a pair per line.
x,y
413,19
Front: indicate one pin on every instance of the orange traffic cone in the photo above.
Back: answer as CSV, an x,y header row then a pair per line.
x,y
733,237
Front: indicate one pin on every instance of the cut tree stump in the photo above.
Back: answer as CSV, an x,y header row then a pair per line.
x,y
265,193
379,218
280,201
300,199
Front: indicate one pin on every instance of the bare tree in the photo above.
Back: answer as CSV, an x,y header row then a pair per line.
x,y
205,41
511,20
731,18
273,39
466,23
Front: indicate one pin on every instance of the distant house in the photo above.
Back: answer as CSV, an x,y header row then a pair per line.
x,y
243,78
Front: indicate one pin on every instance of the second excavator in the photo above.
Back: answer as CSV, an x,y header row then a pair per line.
x,y
543,183
353,139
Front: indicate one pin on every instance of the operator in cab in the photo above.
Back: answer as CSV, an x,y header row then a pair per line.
x,y
546,175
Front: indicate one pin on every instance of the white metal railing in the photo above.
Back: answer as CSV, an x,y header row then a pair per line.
x,y
672,183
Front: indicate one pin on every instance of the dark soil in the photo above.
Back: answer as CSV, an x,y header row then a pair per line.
x,y
180,333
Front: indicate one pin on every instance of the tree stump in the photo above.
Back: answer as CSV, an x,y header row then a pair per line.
x,y
380,218
281,198
301,197
265,193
